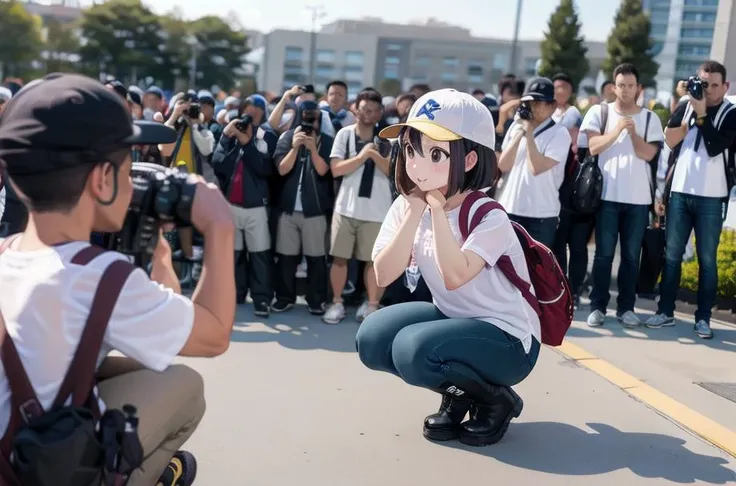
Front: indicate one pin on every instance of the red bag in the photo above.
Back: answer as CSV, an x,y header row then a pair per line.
x,y
553,301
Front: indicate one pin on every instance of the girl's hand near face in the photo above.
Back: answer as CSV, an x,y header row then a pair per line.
x,y
435,199
416,200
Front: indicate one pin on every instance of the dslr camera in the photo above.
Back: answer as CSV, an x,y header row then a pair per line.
x,y
525,111
307,123
244,123
194,107
160,195
696,87
383,146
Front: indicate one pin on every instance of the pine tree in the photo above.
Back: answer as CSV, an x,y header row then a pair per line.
x,y
629,41
563,48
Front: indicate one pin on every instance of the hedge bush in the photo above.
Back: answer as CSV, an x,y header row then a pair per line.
x,y
726,260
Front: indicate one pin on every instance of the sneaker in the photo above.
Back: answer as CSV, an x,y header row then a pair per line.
x,y
365,310
181,471
281,305
629,319
659,320
334,314
702,329
318,310
596,318
261,309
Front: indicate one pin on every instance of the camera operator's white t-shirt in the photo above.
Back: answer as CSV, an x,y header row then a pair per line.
x,y
45,301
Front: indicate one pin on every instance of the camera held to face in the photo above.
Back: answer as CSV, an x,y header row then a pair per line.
x,y
160,195
383,146
194,108
525,111
308,119
696,87
244,123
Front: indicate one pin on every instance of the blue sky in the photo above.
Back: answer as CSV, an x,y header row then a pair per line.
x,y
487,18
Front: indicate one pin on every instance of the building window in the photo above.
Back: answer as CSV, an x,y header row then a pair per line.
x,y
420,77
694,50
354,73
450,62
421,61
448,77
696,33
391,67
325,56
354,88
294,54
699,17
530,66
659,16
324,71
475,72
659,29
701,3
684,69
354,58
393,47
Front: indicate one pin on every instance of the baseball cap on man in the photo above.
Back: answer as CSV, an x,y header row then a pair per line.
x,y
64,120
446,115
539,89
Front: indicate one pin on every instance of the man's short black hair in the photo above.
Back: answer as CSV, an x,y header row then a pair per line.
x,y
424,87
626,69
478,92
604,84
711,66
336,82
60,190
563,77
369,94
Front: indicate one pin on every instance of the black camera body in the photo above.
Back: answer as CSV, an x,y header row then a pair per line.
x,y
383,146
244,122
525,111
696,87
194,107
307,123
160,195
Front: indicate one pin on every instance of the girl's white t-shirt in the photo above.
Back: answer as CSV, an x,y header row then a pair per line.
x,y
490,296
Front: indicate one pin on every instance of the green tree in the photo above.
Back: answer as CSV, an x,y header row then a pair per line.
x,y
61,47
390,87
20,39
220,50
176,51
629,41
563,47
123,38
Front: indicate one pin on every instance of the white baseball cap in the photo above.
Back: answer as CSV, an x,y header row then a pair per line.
x,y
446,115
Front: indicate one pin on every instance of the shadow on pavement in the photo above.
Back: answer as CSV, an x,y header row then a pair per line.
x,y
724,338
295,329
558,448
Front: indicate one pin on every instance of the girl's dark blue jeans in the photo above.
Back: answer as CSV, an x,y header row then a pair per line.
x,y
422,346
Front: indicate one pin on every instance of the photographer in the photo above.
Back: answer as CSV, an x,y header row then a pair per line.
x,y
282,116
243,164
700,133
532,161
302,158
46,298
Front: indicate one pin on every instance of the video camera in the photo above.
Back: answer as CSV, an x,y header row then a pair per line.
x,y
160,195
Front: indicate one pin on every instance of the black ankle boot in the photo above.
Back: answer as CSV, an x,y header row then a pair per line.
x,y
490,418
445,424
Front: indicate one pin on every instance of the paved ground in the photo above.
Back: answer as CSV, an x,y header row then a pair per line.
x,y
290,403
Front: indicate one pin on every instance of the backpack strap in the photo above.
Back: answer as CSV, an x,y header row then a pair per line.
x,y
80,378
504,262
8,242
604,117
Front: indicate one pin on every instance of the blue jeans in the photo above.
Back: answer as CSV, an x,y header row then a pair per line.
x,y
541,229
685,213
630,222
422,346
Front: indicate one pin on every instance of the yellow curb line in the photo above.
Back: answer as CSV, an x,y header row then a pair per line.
x,y
700,425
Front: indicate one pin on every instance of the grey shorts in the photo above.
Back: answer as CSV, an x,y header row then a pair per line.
x,y
251,229
296,235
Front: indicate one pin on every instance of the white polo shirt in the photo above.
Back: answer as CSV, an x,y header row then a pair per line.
x,y
348,202
529,195
626,177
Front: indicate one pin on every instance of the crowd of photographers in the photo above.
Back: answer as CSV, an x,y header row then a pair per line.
x,y
308,182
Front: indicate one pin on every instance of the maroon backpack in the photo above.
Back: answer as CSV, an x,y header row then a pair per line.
x,y
553,301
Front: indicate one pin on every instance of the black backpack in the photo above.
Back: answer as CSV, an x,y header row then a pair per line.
x,y
587,181
70,445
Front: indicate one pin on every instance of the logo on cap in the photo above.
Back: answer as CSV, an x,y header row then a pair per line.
x,y
428,109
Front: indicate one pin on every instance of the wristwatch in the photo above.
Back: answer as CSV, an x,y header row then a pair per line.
x,y
700,120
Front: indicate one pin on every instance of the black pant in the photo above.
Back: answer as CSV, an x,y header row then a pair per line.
x,y
541,229
253,270
574,231
285,280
